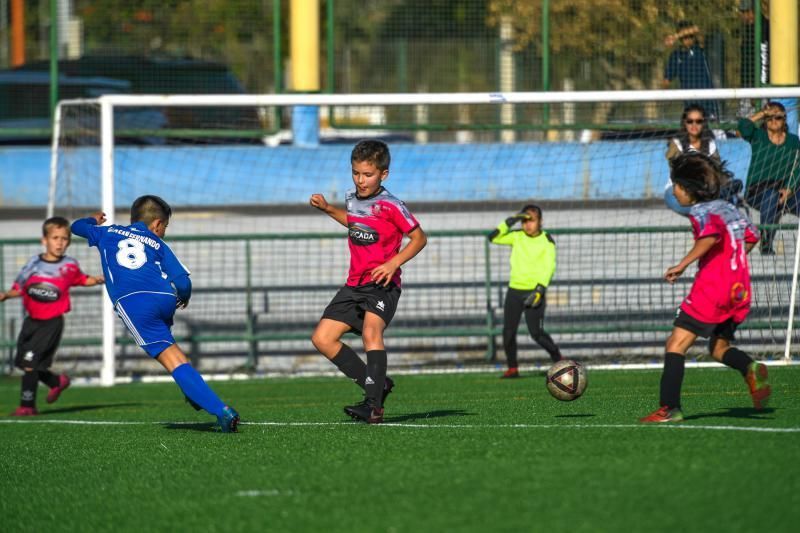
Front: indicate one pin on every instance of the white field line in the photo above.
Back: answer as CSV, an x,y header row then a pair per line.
x,y
755,429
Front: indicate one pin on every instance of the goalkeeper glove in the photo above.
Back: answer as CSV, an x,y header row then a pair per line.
x,y
510,221
536,298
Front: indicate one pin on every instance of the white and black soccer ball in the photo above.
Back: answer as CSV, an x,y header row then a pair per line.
x,y
566,380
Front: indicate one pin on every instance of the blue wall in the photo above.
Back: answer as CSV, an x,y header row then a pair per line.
x,y
432,172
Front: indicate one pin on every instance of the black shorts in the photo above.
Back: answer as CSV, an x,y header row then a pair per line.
x,y
724,330
37,342
350,304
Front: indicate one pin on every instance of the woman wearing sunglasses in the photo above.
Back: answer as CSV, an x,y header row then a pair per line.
x,y
694,136
773,178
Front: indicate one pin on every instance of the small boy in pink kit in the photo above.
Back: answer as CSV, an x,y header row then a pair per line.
x,y
720,297
376,222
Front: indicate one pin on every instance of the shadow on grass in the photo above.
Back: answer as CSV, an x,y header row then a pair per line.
x,y
204,427
735,412
93,407
429,414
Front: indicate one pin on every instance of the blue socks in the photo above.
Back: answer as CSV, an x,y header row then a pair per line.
x,y
196,389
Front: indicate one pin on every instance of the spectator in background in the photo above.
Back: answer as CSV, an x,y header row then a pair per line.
x,y
773,178
694,136
689,66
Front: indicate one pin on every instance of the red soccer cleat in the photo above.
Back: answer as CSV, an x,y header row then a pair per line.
x,y
25,411
55,392
511,373
663,414
756,379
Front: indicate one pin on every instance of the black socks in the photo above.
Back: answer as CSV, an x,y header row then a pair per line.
x,y
49,379
376,376
30,381
351,365
737,359
672,380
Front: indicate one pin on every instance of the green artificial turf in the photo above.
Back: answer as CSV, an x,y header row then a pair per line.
x,y
459,452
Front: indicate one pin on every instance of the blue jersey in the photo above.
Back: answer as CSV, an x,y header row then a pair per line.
x,y
134,259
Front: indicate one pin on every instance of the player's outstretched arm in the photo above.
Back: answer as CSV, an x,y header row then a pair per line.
x,y
94,280
416,242
336,213
700,248
13,293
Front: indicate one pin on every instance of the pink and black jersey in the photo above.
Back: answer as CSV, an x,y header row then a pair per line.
x,y
721,288
44,286
376,226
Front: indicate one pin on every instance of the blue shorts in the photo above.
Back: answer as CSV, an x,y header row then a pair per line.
x,y
148,316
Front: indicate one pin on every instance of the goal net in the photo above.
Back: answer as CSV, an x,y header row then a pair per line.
x,y
239,171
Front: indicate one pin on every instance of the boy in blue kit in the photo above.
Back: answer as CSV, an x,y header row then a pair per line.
x,y
146,283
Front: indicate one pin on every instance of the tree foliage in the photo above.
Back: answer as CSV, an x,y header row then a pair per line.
x,y
621,40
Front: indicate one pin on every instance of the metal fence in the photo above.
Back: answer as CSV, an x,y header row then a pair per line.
x,y
253,300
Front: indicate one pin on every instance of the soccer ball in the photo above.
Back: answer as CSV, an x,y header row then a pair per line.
x,y
566,380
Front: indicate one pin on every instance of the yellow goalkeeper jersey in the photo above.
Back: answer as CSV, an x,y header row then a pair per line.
x,y
533,259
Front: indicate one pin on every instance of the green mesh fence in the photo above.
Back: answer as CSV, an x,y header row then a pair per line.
x,y
607,302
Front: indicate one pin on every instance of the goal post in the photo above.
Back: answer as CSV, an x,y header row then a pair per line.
x,y
595,162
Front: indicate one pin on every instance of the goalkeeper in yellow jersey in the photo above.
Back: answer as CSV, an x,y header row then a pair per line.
x,y
533,262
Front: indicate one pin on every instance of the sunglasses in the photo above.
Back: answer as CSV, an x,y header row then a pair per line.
x,y
695,121
777,117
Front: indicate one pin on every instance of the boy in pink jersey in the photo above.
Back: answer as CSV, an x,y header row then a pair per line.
x,y
44,283
376,222
720,297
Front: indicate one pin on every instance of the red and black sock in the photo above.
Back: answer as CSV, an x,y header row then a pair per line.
x,y
672,379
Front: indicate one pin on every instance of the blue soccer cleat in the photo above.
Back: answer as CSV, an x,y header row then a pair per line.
x,y
229,420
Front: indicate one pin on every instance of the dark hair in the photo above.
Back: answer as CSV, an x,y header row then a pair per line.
x,y
683,24
706,135
148,208
54,222
780,106
372,151
532,207
699,175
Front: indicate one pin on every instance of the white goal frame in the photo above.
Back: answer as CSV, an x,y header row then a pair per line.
x,y
108,103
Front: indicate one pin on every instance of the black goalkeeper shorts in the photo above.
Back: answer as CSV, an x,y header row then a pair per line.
x,y
37,342
350,304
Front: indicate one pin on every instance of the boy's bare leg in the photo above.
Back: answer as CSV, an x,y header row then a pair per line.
x,y
326,337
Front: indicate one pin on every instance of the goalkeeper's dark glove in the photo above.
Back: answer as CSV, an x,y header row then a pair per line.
x,y
519,217
536,298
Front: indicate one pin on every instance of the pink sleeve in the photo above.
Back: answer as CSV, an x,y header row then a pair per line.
x,y
401,217
751,234
77,277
